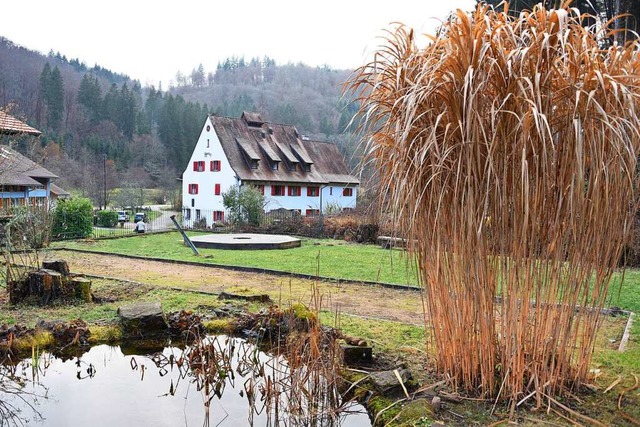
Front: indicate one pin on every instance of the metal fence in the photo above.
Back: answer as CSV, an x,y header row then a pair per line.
x,y
74,227
275,221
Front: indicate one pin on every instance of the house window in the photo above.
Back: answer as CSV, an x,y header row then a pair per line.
x,y
217,189
198,166
218,215
312,212
193,188
254,164
313,191
277,190
347,192
215,165
274,166
193,203
294,190
292,167
331,191
197,214
260,189
187,214
207,142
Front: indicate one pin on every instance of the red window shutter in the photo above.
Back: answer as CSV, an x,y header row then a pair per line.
x,y
289,191
217,189
211,166
221,215
195,166
196,188
273,190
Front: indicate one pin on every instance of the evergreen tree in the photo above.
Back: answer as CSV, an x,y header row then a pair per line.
x,y
126,114
55,99
42,101
110,104
90,97
52,93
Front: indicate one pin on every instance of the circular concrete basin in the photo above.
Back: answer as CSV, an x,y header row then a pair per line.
x,y
246,241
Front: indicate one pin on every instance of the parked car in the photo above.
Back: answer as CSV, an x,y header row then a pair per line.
x,y
140,216
122,216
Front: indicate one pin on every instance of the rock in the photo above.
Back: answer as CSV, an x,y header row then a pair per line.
x,y
436,403
386,381
142,319
356,354
255,298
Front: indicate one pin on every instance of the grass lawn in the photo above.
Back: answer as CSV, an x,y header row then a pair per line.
x,y
325,257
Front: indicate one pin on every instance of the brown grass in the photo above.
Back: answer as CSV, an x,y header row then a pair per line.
x,y
507,149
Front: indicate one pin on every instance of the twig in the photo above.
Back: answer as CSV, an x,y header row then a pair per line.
x,y
613,384
622,393
406,393
574,413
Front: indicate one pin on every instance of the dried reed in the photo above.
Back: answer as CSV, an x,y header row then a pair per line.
x,y
507,149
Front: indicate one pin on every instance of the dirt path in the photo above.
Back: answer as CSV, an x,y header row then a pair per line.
x,y
349,298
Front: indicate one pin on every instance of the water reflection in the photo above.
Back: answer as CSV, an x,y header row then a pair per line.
x,y
231,379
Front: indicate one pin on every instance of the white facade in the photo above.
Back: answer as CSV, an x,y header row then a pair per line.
x,y
202,201
203,185
333,198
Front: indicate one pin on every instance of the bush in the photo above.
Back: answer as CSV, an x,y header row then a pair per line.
x,y
73,218
245,205
107,218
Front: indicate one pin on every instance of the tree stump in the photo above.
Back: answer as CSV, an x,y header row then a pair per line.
x,y
58,265
82,288
45,285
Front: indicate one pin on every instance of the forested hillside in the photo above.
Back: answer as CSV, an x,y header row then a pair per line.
x,y
93,118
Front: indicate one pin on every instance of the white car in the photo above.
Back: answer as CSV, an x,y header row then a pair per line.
x,y
122,216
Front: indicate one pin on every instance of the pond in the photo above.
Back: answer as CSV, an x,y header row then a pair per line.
x,y
221,381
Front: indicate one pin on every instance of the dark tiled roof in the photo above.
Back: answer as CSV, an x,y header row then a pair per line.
x,y
16,169
9,125
243,140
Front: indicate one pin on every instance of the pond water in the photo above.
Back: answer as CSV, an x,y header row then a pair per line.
x,y
120,386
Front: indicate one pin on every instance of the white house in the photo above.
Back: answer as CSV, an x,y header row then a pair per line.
x,y
291,171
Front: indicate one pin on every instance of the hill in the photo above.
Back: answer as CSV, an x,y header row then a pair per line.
x,y
94,119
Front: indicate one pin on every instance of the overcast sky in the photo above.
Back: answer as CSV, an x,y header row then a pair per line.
x,y
152,40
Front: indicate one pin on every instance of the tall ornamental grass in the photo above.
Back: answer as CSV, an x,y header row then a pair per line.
x,y
507,151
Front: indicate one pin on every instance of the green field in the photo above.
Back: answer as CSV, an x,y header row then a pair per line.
x,y
323,257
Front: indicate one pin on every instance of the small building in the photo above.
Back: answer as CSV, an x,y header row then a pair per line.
x,y
290,170
22,181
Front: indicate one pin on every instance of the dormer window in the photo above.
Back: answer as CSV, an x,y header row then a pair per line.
x,y
292,167
306,167
253,164
274,165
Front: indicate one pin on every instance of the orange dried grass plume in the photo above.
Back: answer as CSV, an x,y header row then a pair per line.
x,y
507,149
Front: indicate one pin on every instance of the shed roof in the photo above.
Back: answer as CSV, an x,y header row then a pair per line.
x,y
16,169
267,141
9,125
